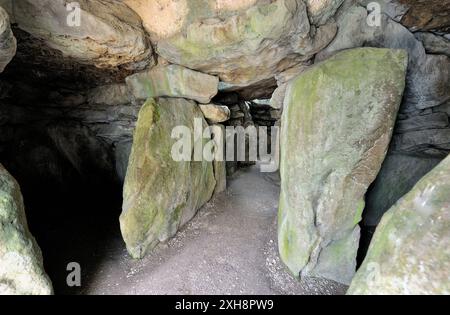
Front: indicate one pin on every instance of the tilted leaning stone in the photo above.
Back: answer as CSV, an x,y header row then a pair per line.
x,y
410,251
21,266
336,129
161,194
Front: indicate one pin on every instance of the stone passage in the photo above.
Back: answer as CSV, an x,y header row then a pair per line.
x,y
72,87
337,125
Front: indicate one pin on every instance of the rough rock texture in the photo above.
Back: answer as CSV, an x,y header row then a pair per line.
x,y
215,113
160,194
428,75
397,177
219,163
326,172
7,40
109,34
277,98
434,44
21,265
173,81
410,252
419,131
112,95
244,42
85,134
320,11
429,15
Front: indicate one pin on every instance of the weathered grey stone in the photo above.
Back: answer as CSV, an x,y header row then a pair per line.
x,y
429,85
417,141
282,80
86,153
122,152
434,44
215,113
258,90
110,34
278,96
243,41
444,108
410,251
393,8
320,11
112,95
173,81
219,163
423,122
428,75
8,43
291,73
161,194
326,171
21,263
397,177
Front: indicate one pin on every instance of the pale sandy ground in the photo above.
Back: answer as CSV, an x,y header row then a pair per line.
x,y
229,248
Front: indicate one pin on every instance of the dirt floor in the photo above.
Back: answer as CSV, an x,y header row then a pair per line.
x,y
229,248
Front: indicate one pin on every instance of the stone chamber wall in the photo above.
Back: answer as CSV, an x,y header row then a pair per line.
x,y
88,110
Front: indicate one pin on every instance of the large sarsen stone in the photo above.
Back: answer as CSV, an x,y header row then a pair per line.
x,y
243,42
336,129
161,194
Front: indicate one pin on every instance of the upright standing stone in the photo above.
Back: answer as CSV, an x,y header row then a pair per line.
x,y
410,251
336,129
21,266
160,193
220,171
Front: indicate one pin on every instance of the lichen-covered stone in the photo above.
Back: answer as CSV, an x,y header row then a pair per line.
x,y
173,81
21,265
161,194
337,125
8,43
109,33
244,42
428,76
410,251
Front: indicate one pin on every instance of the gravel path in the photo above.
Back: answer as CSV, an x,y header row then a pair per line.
x,y
229,248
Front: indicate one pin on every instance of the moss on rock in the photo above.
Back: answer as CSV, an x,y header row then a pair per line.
x,y
160,194
337,125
